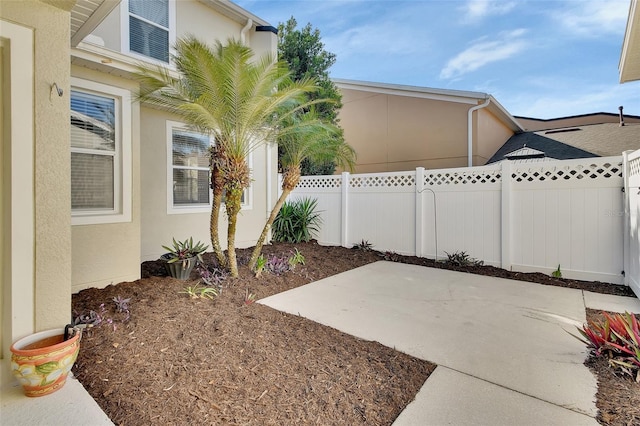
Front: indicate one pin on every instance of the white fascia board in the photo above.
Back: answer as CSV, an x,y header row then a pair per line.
x,y
509,120
459,96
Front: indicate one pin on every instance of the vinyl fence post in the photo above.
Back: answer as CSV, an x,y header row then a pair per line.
x,y
344,218
505,243
419,231
626,208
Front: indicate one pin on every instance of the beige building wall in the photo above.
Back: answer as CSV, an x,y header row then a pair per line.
x,y
159,226
110,252
490,135
42,299
394,133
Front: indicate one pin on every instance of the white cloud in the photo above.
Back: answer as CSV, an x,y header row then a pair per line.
x,y
483,52
592,18
475,10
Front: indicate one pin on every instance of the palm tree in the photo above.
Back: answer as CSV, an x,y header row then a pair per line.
x,y
243,102
309,138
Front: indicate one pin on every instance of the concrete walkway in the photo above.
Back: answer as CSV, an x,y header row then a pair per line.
x,y
502,348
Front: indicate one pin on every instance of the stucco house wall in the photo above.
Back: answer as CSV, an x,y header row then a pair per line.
x,y
111,253
108,253
36,255
491,134
394,128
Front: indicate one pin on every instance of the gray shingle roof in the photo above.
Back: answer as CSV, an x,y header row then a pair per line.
x,y
597,140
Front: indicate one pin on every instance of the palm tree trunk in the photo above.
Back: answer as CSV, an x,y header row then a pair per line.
x,y
267,227
214,230
290,179
234,204
217,184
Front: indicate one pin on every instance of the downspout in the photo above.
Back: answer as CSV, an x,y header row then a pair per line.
x,y
470,129
244,30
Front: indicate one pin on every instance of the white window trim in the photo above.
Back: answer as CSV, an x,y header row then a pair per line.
x,y
125,34
122,164
201,208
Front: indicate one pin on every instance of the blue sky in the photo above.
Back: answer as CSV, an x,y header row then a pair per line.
x,y
538,58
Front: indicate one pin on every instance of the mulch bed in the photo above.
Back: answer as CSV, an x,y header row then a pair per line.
x,y
178,360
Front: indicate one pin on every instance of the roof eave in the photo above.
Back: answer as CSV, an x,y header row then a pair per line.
x,y
90,22
629,66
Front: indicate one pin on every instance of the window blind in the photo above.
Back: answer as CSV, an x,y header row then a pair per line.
x,y
149,28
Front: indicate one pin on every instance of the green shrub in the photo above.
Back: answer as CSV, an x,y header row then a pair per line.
x,y
297,221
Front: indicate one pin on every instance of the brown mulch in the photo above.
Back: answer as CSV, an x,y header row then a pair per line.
x,y
196,361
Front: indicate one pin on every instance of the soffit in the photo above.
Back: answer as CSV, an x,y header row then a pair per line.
x,y
630,58
86,15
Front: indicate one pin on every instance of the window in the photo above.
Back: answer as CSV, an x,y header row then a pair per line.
x,y
100,165
190,164
149,28
188,175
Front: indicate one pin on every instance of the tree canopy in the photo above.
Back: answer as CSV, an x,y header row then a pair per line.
x,y
304,51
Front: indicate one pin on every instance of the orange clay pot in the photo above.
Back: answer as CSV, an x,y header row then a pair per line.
x,y
42,361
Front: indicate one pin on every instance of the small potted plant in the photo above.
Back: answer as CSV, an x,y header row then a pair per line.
x,y
182,257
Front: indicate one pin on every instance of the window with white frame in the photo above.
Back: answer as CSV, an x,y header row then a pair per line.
x,y
100,153
190,168
150,27
188,175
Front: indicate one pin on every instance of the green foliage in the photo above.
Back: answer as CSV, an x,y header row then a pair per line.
x,y
296,259
197,292
461,258
303,50
363,245
183,250
617,339
261,262
557,273
297,221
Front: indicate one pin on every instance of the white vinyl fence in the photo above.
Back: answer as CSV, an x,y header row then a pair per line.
x,y
521,216
632,232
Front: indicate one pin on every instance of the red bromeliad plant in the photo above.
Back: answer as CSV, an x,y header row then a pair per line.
x,y
618,338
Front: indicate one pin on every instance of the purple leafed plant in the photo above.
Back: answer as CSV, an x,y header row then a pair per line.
x,y
278,265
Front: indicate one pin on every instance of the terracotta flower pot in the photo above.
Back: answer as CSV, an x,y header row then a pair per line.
x,y
42,361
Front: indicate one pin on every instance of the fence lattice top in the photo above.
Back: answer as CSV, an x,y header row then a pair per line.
x,y
558,172
320,182
442,177
384,181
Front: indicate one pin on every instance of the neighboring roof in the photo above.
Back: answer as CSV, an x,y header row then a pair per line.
x,y
629,65
461,96
536,124
550,148
597,140
86,15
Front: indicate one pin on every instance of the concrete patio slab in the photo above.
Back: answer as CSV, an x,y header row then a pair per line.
x,y
70,406
452,398
607,302
506,332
